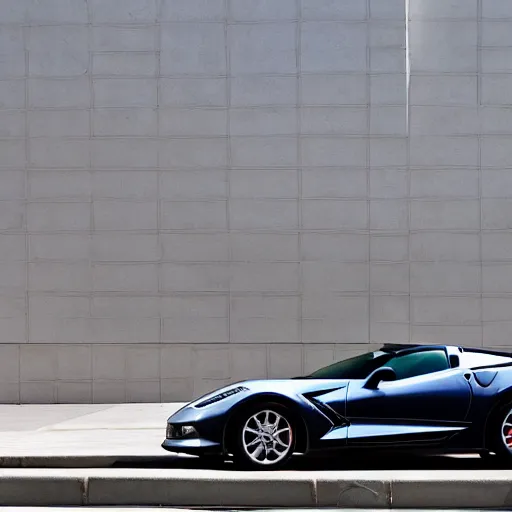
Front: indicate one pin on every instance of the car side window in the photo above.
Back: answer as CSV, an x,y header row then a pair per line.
x,y
419,363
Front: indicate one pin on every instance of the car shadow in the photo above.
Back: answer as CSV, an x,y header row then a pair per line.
x,y
340,462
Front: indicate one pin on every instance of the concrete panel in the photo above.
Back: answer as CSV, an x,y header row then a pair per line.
x,y
334,152
496,213
453,183
334,89
443,9
388,184
428,151
58,51
46,93
200,277
251,91
125,185
12,124
389,215
124,153
193,215
449,246
59,277
180,92
125,92
328,10
445,215
388,120
192,153
123,11
195,247
386,33
263,10
12,185
264,277
263,214
496,89
333,121
431,120
193,185
321,277
496,152
285,361
334,247
333,183
141,278
332,214
12,215
495,9
263,121
124,64
389,248
264,151
58,216
496,33
135,122
264,184
444,90
262,48
123,38
496,246
124,247
446,310
124,215
389,277
197,49
391,10
328,47
388,89
389,309
192,121
427,55
387,60
59,184
192,10
264,247
445,277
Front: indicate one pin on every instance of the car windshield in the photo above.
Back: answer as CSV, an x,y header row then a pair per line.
x,y
358,367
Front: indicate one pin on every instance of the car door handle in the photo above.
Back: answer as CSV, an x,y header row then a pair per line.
x,y
467,376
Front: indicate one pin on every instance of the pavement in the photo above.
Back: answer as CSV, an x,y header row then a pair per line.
x,y
110,455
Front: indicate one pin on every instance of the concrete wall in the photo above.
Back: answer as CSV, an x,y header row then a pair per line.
x,y
198,191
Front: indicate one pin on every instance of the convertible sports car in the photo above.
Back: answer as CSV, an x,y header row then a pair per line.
x,y
442,399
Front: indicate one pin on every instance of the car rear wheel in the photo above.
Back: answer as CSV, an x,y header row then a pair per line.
x,y
265,437
501,433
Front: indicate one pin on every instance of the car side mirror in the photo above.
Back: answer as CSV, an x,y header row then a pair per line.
x,y
379,375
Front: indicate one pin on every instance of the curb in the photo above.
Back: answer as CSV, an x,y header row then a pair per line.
x,y
188,488
77,461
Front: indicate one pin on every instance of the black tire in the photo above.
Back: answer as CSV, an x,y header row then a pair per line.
x,y
499,433
241,438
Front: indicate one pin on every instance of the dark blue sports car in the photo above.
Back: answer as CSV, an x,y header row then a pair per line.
x,y
442,399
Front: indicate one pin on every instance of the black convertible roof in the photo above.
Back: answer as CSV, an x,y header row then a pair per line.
x,y
401,347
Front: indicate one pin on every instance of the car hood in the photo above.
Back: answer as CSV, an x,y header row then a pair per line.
x,y
288,387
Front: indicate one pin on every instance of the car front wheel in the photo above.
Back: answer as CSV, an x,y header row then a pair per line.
x,y
265,437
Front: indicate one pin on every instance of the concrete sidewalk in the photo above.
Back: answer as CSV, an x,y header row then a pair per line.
x,y
81,435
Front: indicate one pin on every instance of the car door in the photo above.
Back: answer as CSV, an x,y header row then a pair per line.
x,y
428,401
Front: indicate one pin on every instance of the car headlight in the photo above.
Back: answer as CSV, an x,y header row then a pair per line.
x,y
221,396
180,431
